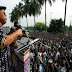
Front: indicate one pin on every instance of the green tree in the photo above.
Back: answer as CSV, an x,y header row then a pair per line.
x,y
66,29
25,12
35,9
56,26
26,9
42,3
32,7
70,28
30,28
40,26
16,13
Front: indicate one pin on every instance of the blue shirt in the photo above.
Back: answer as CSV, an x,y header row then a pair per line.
x,y
5,55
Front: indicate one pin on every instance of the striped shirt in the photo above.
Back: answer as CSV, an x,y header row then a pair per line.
x,y
5,54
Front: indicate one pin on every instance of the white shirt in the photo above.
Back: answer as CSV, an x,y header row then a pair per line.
x,y
40,68
31,55
71,51
57,54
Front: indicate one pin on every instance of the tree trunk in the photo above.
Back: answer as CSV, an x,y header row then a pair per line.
x,y
65,15
19,21
34,20
45,12
34,23
27,21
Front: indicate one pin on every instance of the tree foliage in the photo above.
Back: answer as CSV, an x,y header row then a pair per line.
x,y
30,7
16,13
40,26
66,28
70,28
29,28
56,26
42,3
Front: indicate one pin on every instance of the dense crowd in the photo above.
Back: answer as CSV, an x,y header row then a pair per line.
x,y
50,36
56,54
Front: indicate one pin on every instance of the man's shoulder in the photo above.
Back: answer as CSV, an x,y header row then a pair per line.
x,y
1,30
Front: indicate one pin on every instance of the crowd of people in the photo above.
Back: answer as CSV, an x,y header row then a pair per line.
x,y
56,54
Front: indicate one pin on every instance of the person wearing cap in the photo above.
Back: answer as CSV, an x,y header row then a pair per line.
x,y
5,41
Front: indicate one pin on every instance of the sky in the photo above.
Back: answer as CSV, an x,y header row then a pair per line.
x,y
55,11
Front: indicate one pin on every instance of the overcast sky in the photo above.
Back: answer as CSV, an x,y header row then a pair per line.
x,y
56,11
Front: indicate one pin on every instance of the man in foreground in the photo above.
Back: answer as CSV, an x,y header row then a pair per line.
x,y
5,41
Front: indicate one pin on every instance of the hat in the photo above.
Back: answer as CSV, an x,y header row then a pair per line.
x,y
2,7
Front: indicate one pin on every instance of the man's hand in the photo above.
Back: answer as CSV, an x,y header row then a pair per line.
x,y
27,34
15,44
10,38
19,31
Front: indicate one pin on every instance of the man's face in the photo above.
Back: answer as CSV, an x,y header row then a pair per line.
x,y
3,17
17,25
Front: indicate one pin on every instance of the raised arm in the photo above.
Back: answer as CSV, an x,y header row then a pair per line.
x,y
12,37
